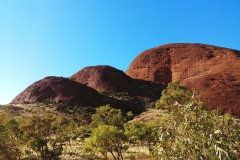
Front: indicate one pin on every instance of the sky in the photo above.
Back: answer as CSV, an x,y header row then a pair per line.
x,y
40,38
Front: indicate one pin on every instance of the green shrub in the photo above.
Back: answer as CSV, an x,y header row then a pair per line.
x,y
106,115
104,139
191,132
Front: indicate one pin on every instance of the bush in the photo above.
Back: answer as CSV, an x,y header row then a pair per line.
x,y
191,132
106,115
104,139
46,134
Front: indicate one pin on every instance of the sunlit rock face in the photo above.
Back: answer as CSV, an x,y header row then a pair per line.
x,y
213,70
103,78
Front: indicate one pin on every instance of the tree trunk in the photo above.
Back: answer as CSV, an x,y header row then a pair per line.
x,y
120,157
113,155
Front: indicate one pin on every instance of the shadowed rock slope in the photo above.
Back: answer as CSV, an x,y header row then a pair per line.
x,y
109,79
67,91
214,70
58,90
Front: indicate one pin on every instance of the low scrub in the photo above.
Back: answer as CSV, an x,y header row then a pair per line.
x,y
186,131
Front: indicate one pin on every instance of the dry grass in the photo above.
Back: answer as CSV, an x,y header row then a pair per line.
x,y
149,115
73,150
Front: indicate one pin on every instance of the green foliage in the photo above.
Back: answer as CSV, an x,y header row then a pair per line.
x,y
106,115
139,132
173,95
10,138
103,92
106,138
45,134
78,113
188,131
36,136
191,132
129,115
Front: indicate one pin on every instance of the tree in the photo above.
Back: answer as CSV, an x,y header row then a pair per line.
x,y
46,134
10,138
174,94
106,115
140,132
191,132
104,139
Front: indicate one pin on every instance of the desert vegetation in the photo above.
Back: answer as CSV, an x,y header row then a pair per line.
x,y
184,130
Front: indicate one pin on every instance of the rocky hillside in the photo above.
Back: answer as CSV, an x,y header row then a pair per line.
x,y
213,70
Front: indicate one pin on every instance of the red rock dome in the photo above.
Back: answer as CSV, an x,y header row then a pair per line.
x,y
214,70
56,89
103,78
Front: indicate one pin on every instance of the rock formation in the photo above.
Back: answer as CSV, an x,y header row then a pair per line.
x,y
103,78
67,91
214,70
58,90
110,79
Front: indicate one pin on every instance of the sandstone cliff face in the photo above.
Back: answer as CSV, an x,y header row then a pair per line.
x,y
214,70
58,90
103,78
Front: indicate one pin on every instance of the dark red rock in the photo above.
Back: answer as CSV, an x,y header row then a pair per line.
x,y
64,90
214,70
58,90
103,78
15,108
110,79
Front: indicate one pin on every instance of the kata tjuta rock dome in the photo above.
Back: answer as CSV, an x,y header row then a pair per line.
x,y
214,70
103,78
110,79
58,90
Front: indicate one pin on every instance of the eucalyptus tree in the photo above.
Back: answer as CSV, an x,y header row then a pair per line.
x,y
189,131
104,139
139,132
106,115
10,138
46,134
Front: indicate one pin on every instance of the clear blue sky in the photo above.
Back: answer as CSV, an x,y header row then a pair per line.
x,y
40,38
